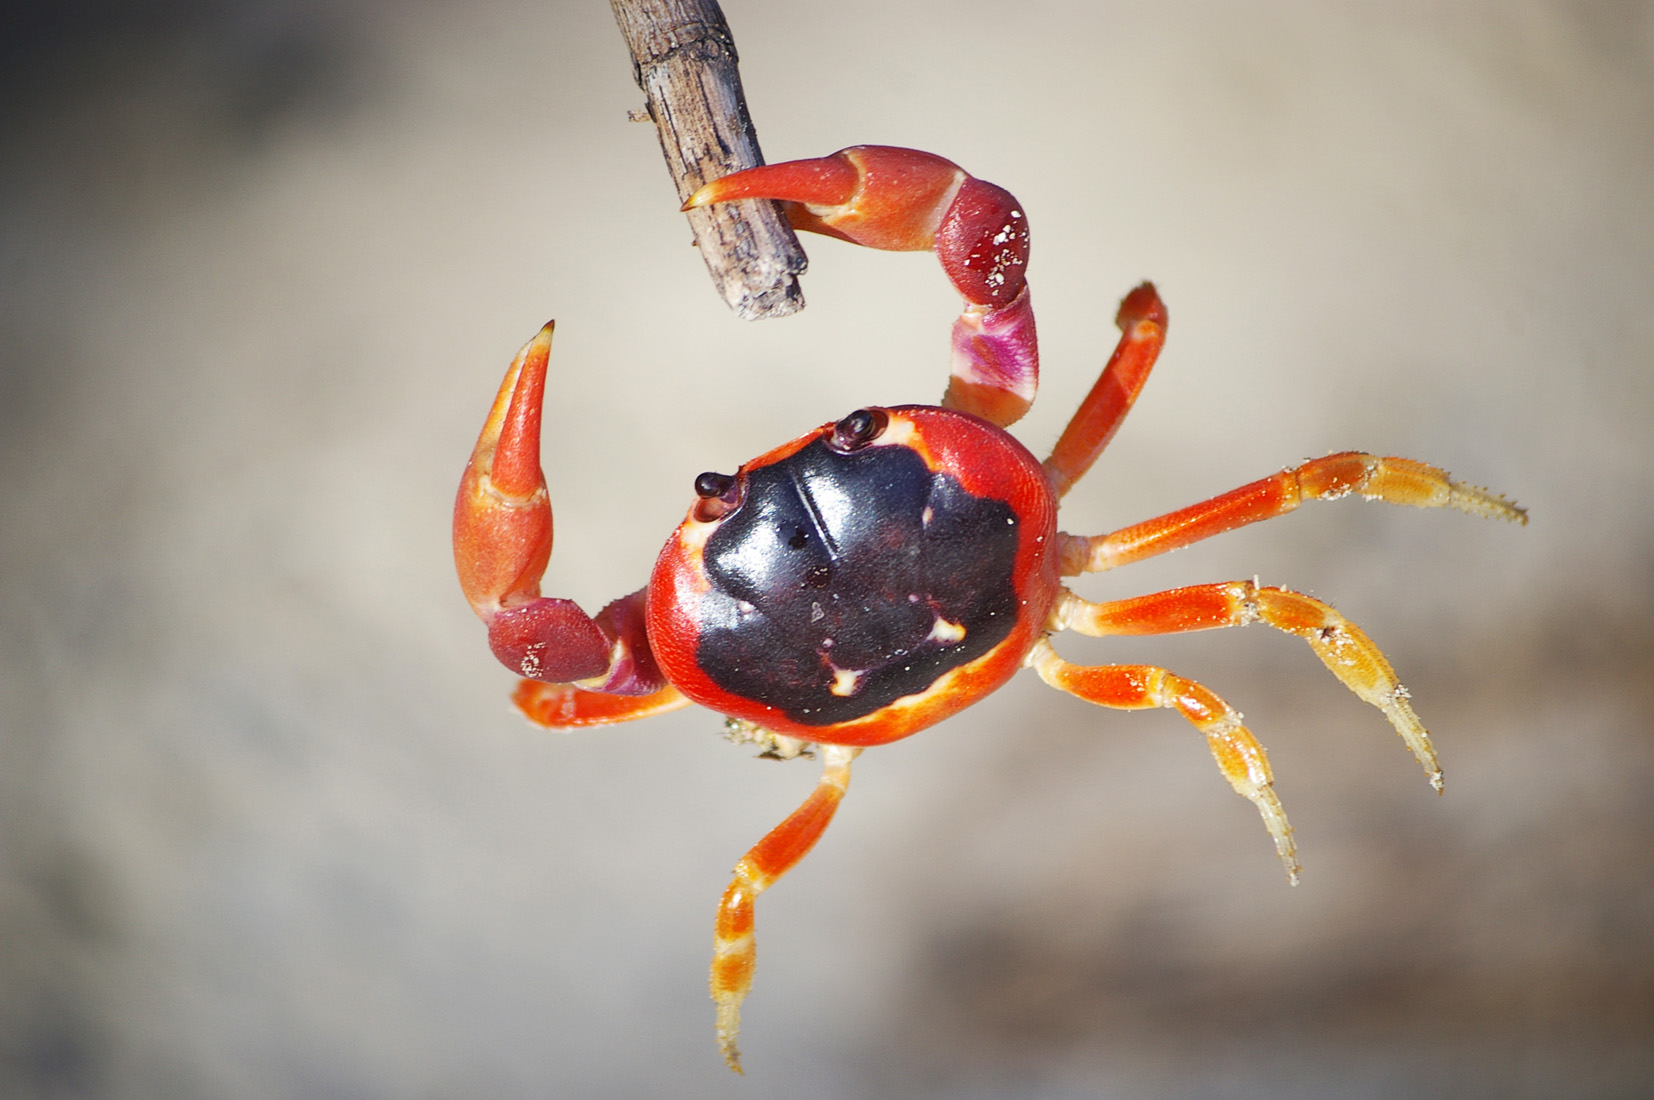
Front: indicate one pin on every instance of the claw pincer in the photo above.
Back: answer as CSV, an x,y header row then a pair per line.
x,y
903,200
502,544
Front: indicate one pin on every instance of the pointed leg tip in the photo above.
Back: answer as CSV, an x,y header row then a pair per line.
x,y
729,1026
1142,304
1288,851
1477,501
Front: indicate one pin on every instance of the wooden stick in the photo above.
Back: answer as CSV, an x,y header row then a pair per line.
x,y
683,57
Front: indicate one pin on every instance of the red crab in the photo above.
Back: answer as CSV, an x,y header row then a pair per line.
x,y
875,575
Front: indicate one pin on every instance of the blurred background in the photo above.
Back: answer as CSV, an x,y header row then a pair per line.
x,y
269,826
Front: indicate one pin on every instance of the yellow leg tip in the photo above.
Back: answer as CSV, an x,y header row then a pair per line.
x,y
1478,501
729,1026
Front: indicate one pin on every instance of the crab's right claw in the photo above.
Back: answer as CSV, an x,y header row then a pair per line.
x,y
502,543
905,200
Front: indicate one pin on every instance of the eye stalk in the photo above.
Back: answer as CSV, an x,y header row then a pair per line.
x,y
858,430
710,485
720,494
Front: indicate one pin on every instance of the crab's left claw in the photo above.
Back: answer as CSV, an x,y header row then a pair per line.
x,y
908,201
502,544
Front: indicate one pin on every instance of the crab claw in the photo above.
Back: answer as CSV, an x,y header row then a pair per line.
x,y
502,543
907,201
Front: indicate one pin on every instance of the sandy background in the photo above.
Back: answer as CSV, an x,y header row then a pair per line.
x,y
269,827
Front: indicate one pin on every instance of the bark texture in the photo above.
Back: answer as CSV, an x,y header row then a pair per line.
x,y
683,57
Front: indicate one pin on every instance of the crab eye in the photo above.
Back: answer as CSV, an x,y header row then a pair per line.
x,y
720,494
858,430
710,485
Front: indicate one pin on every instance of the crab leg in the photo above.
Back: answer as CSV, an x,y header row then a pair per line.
x,y
1393,480
502,543
1139,687
907,201
734,953
1342,646
1142,321
566,707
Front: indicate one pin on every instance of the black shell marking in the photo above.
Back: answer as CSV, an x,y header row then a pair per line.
x,y
847,580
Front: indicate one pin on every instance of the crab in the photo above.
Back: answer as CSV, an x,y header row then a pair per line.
x,y
880,573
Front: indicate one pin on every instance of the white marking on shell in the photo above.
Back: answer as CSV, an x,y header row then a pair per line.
x,y
846,682
946,633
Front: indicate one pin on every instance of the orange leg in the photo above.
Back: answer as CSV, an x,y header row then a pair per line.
x,y
1140,687
1347,652
1394,480
1142,321
734,953
564,706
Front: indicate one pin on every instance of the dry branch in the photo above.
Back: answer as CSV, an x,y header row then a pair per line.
x,y
683,57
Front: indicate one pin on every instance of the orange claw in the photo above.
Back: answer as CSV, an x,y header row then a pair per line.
x,y
502,516
871,195
502,544
905,200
